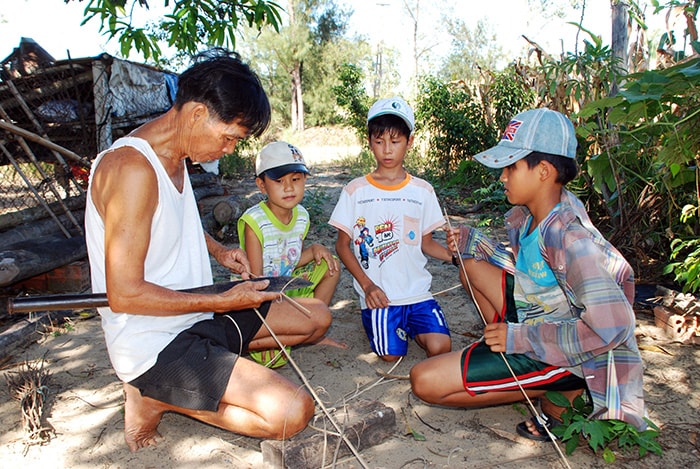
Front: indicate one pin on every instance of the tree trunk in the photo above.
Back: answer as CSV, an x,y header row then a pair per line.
x,y
620,35
297,101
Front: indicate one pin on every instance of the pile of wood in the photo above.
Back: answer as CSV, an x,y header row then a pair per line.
x,y
33,242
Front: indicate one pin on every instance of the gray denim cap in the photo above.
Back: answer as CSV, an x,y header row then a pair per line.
x,y
541,130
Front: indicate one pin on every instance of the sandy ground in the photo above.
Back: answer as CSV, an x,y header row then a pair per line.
x,y
86,402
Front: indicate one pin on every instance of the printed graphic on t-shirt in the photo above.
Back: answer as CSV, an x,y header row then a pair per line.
x,y
281,256
378,243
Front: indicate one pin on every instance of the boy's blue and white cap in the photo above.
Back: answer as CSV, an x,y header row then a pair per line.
x,y
393,106
541,130
279,158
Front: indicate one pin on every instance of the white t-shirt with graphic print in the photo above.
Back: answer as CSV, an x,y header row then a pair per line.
x,y
386,225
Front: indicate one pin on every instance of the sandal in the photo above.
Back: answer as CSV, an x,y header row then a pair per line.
x,y
549,422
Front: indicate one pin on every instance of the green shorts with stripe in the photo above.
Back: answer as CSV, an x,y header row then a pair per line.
x,y
313,273
485,371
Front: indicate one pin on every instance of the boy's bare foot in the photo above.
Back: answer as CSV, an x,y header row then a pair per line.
x,y
325,340
141,418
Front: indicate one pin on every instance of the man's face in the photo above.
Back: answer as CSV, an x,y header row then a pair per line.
x,y
212,139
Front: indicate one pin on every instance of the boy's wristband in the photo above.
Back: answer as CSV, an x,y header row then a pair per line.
x,y
455,260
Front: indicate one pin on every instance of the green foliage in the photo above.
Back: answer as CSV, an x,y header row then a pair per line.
x,y
320,76
600,434
578,78
351,97
508,93
236,164
647,170
686,270
190,24
361,164
453,122
473,50
240,163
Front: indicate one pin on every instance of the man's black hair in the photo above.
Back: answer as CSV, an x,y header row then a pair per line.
x,y
567,169
229,89
387,123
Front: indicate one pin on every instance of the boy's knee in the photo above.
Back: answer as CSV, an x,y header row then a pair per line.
x,y
420,382
390,358
331,279
321,315
438,348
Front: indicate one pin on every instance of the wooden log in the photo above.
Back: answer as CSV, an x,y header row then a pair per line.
x,y
366,423
209,224
14,219
668,319
39,228
209,190
26,259
220,213
227,210
203,179
28,330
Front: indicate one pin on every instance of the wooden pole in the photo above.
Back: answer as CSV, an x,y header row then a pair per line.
x,y
42,141
31,187
30,115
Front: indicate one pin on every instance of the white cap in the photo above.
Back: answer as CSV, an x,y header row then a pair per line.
x,y
393,106
541,130
279,158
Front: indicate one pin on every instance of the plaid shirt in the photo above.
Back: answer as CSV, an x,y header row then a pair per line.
x,y
599,285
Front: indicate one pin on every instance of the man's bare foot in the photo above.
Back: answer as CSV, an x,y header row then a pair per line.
x,y
325,340
141,418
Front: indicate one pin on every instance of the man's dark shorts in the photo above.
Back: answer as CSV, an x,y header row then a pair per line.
x,y
194,369
485,371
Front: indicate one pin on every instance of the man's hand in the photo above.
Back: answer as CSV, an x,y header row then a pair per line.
x,y
246,295
235,260
495,336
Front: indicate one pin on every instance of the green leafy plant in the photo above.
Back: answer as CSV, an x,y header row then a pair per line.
x,y
451,119
687,269
350,95
600,434
647,168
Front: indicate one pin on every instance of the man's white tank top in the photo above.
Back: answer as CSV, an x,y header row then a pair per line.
x,y
177,258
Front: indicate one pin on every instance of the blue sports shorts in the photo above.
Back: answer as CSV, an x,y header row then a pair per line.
x,y
389,329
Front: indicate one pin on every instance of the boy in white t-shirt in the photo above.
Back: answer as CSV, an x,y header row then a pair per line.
x,y
385,222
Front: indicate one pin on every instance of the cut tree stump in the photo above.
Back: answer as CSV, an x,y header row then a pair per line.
x,y
365,423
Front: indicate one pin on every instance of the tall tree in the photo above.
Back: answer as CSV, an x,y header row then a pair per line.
x,y
299,40
292,61
473,49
